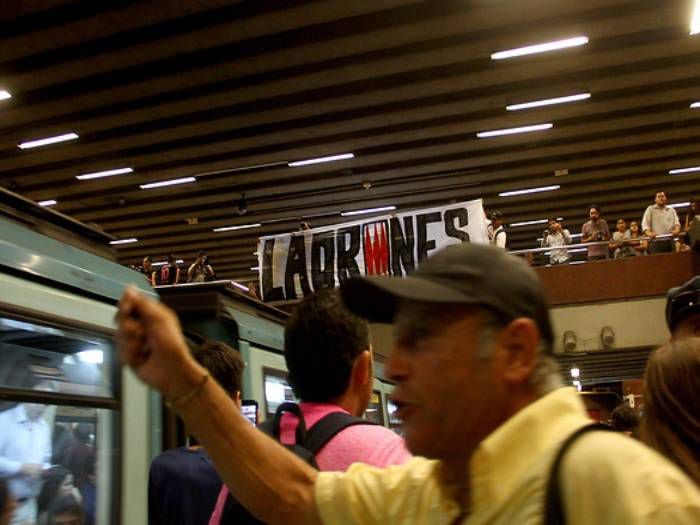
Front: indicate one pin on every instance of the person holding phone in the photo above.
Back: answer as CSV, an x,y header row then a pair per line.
x,y
249,408
183,484
200,270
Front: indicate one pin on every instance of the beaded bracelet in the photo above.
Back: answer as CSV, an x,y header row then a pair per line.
x,y
179,402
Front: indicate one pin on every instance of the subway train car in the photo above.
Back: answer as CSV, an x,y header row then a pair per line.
x,y
60,379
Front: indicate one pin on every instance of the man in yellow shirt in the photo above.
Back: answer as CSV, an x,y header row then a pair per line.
x,y
480,397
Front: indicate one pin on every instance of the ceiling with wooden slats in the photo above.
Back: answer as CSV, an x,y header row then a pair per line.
x,y
229,91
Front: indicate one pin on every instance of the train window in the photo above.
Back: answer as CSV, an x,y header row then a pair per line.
x,y
33,356
277,390
374,410
60,422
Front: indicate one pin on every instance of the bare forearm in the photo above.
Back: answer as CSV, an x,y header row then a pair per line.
x,y
273,484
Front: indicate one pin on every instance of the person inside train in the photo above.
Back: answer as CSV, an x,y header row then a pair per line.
x,y
65,510
328,354
25,453
480,398
671,419
58,482
183,484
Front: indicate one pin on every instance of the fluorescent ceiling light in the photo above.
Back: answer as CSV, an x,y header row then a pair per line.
x,y
171,182
239,227
530,223
684,170
575,372
163,263
695,21
319,160
48,140
548,102
529,190
106,173
4,95
679,205
124,241
239,285
540,48
49,202
513,131
255,268
368,210
695,105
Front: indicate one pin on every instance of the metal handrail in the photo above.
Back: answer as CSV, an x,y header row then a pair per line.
x,y
595,243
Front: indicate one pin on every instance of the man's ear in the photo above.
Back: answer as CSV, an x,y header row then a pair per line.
x,y
519,342
362,369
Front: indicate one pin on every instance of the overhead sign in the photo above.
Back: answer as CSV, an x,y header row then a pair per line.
x,y
296,264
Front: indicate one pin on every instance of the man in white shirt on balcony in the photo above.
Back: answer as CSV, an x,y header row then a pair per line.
x,y
660,219
555,236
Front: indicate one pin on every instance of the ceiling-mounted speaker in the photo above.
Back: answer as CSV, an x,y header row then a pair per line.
x,y
570,341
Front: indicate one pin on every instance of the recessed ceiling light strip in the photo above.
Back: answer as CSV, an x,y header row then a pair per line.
x,y
171,182
105,173
47,141
540,48
49,202
4,94
679,171
514,131
367,210
319,160
239,227
130,240
530,223
529,190
548,102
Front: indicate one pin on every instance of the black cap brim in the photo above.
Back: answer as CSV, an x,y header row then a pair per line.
x,y
377,298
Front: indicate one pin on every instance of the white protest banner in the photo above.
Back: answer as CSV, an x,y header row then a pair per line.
x,y
296,264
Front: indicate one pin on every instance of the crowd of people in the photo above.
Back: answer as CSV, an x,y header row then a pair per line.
x,y
484,409
170,273
46,478
660,231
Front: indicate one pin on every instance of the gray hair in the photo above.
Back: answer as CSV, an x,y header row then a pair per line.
x,y
545,377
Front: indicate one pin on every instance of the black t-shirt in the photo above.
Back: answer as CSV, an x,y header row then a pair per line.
x,y
168,274
182,488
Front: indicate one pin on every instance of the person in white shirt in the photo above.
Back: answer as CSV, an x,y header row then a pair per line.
x,y
555,236
25,452
659,219
497,230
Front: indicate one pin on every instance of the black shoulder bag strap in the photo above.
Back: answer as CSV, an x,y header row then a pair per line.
x,y
327,427
554,509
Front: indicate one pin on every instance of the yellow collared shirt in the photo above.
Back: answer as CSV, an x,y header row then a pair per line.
x,y
606,478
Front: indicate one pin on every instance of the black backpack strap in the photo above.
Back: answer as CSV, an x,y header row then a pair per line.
x,y
554,509
271,426
327,427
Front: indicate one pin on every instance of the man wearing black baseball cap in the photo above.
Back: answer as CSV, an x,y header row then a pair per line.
x,y
683,309
480,398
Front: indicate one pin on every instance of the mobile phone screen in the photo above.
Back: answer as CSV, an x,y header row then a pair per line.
x,y
250,411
